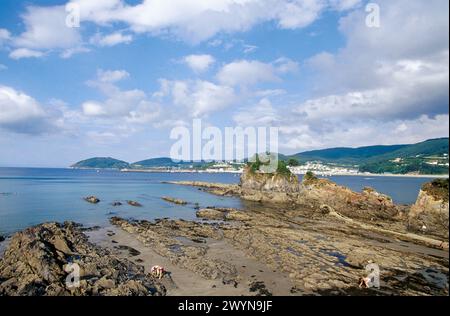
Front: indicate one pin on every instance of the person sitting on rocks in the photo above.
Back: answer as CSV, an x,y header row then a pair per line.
x,y
364,282
157,271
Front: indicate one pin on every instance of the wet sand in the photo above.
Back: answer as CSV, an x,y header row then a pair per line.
x,y
188,283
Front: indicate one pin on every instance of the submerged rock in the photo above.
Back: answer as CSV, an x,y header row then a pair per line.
x,y
38,262
92,199
116,203
134,203
174,200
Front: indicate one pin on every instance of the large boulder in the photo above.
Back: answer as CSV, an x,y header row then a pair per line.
x,y
37,260
430,213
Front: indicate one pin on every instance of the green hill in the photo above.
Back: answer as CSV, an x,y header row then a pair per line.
x,y
158,162
101,163
346,155
428,157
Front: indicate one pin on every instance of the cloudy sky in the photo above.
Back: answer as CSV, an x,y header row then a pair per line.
x,y
134,69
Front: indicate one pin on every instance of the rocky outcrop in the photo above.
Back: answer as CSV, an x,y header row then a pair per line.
x,y
430,213
368,205
174,200
92,199
268,187
37,260
332,253
214,188
2,238
212,214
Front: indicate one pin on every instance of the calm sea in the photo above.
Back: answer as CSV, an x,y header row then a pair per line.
x,y
31,196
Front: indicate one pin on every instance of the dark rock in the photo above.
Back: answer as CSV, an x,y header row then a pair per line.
x,y
36,260
260,288
116,203
134,203
90,229
2,238
133,252
92,199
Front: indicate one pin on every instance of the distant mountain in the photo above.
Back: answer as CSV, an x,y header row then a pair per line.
x,y
428,157
346,155
428,148
101,163
158,162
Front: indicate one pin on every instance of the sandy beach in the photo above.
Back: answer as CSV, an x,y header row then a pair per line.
x,y
188,283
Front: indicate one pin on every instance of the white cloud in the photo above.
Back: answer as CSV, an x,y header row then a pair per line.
x,y
45,29
250,72
199,63
132,106
92,108
69,52
190,20
4,36
25,53
285,65
298,14
196,97
262,114
208,97
197,21
244,72
392,79
248,49
111,39
111,75
21,113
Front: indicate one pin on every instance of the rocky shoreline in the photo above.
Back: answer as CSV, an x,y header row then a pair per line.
x,y
292,238
38,260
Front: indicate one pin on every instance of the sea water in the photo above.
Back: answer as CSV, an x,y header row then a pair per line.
x,y
30,196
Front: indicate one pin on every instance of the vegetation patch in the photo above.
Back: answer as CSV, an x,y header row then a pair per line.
x,y
437,188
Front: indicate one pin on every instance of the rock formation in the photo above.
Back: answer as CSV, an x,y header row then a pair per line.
x,y
134,203
268,187
92,199
368,205
430,213
174,200
37,259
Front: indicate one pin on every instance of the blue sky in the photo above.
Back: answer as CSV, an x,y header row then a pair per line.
x,y
133,70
